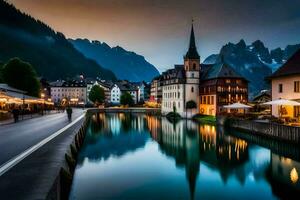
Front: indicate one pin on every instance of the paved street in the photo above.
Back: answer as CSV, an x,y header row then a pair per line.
x,y
15,138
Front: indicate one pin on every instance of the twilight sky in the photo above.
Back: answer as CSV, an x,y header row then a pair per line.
x,y
159,29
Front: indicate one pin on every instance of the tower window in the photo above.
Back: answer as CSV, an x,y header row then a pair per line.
x,y
194,66
192,90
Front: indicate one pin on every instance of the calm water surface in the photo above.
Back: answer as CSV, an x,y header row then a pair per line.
x,y
127,156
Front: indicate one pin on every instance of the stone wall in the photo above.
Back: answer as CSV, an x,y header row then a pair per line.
x,y
271,130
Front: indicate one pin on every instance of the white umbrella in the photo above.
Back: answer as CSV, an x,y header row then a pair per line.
x,y
282,102
237,106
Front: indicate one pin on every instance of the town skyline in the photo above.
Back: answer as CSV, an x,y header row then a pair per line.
x,y
163,42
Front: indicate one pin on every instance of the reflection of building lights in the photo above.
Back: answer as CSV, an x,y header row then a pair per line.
x,y
286,160
294,175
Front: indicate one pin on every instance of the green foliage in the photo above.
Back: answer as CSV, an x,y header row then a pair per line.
x,y
126,99
174,109
206,119
173,117
191,104
97,94
21,75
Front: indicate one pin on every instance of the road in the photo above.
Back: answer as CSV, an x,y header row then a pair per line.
x,y
16,138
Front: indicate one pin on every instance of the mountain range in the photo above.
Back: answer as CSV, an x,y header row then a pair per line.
x,y
254,61
125,64
50,53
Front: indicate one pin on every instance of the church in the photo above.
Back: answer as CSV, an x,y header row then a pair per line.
x,y
194,88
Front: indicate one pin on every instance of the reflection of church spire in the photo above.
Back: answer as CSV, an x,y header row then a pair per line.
x,y
192,173
192,161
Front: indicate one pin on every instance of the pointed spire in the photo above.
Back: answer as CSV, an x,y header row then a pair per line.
x,y
192,52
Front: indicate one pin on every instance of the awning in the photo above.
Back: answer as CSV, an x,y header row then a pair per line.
x,y
237,106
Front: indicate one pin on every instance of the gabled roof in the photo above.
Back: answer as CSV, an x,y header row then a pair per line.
x,y
291,67
220,70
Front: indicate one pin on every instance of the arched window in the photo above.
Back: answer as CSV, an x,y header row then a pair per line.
x,y
194,66
192,90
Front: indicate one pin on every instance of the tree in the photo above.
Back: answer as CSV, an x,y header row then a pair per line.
x,y
21,75
126,99
97,94
191,105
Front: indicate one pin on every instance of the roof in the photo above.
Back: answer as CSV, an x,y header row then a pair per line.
x,y
219,70
72,83
177,72
291,67
192,52
5,87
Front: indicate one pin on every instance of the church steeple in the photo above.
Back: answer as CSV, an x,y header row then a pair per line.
x,y
192,52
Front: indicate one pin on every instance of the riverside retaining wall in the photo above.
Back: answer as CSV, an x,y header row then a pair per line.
x,y
271,130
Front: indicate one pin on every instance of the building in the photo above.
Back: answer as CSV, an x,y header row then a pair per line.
x,y
156,90
126,86
106,85
141,90
209,87
181,84
286,84
115,95
220,85
69,92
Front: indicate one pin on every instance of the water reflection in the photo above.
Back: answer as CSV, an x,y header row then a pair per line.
x,y
104,138
159,157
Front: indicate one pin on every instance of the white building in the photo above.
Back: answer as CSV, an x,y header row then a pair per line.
x,y
72,92
181,84
115,94
286,85
106,85
140,86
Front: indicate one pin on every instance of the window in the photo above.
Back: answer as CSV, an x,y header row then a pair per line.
x,y
208,100
194,66
297,86
212,100
227,80
192,90
280,88
192,75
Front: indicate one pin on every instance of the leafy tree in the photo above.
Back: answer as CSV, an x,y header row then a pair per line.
x,y
97,94
126,99
21,75
191,105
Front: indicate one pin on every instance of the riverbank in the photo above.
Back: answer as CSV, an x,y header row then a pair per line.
x,y
270,130
206,119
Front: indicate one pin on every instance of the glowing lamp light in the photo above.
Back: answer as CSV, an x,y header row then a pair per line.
x,y
294,175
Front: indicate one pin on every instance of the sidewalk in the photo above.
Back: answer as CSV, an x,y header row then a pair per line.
x,y
25,117
34,176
